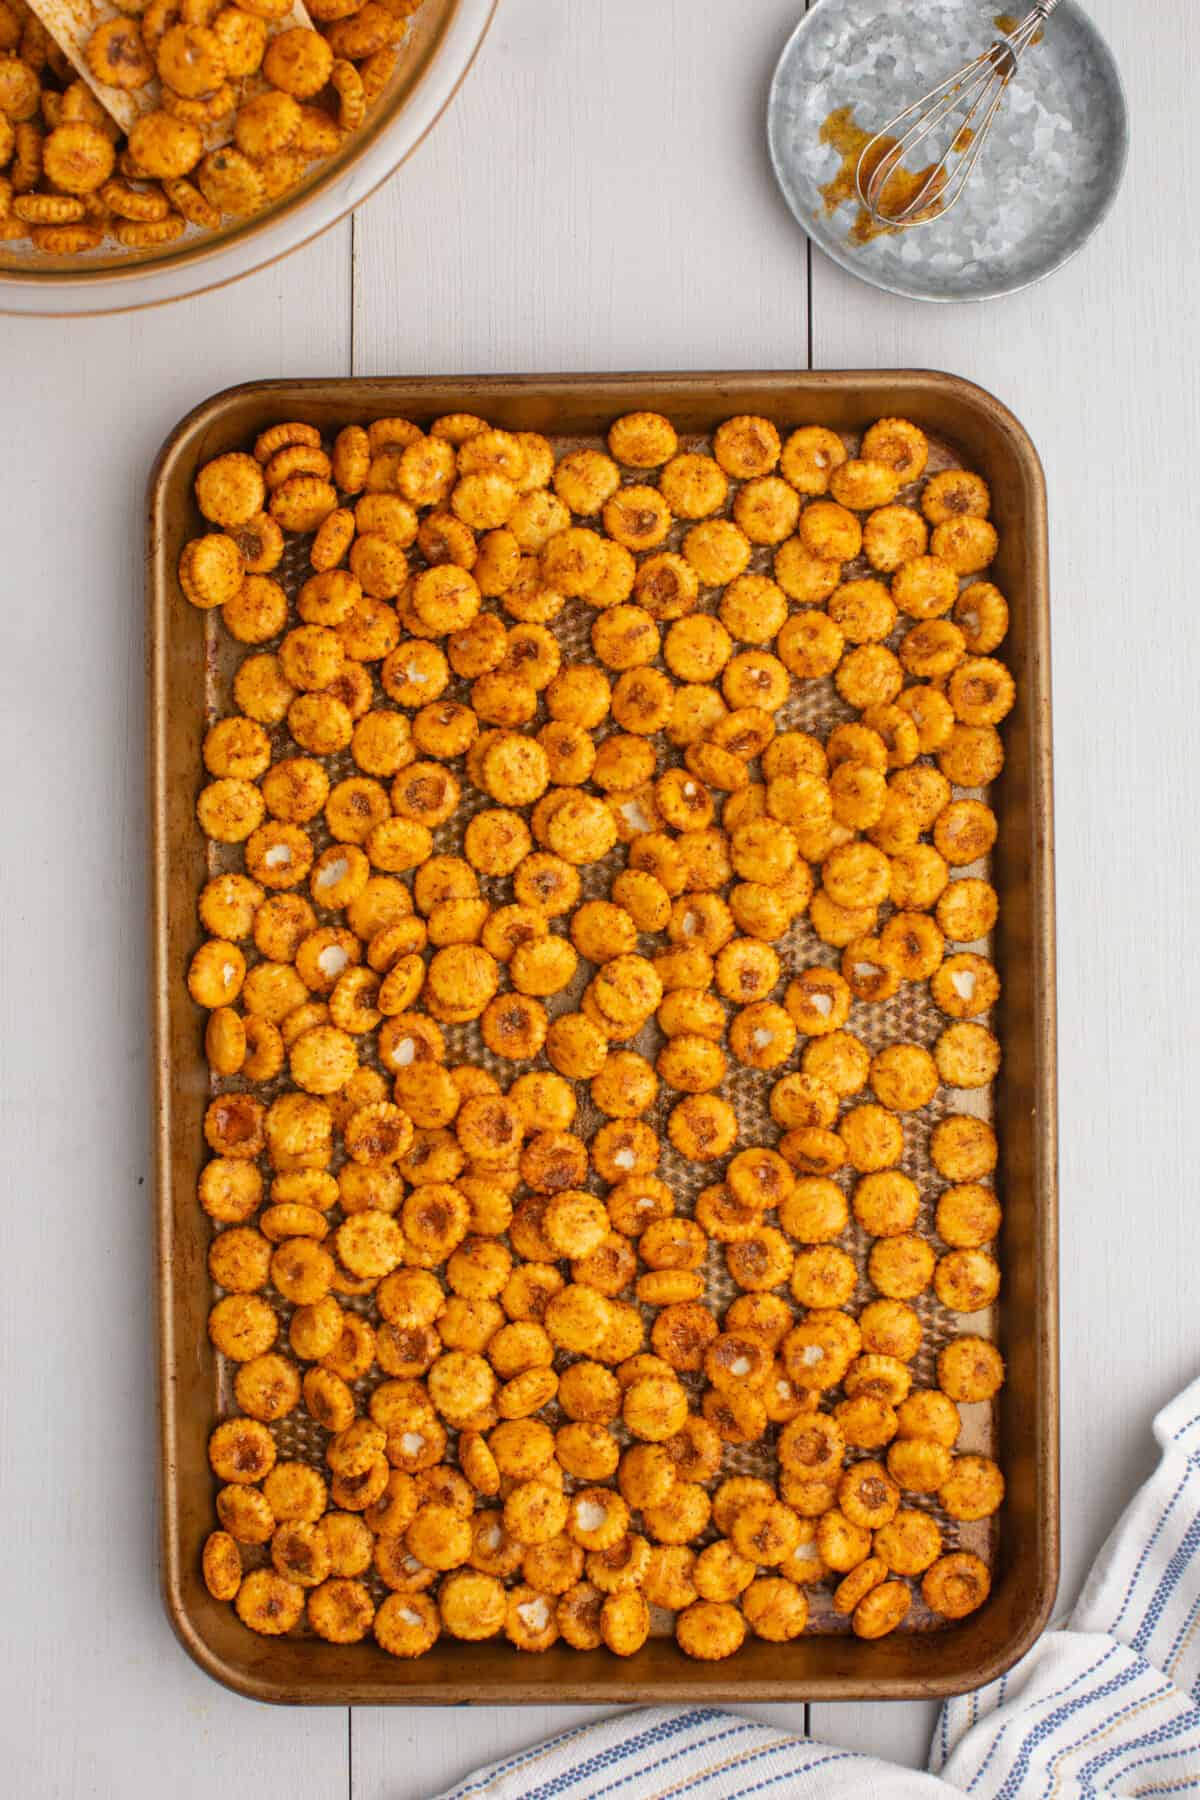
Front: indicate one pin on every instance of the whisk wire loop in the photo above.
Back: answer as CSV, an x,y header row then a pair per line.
x,y
978,87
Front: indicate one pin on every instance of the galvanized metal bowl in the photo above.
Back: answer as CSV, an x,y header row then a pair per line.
x,y
1049,171
437,52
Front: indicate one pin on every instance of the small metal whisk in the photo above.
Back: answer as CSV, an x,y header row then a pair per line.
x,y
951,109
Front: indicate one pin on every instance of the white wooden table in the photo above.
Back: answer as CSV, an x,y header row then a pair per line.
x,y
525,235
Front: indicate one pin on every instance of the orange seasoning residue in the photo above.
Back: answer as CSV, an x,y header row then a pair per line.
x,y
964,140
1006,23
900,189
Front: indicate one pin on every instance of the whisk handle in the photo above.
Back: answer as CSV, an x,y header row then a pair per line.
x,y
1022,35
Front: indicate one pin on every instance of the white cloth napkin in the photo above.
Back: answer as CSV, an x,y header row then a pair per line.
x,y
1109,1705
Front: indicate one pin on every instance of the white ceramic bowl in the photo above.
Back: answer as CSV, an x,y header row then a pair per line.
x,y
437,52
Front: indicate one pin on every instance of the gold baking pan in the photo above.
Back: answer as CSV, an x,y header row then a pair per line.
x,y
185,679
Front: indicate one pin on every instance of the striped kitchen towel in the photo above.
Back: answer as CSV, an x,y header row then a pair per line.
x,y
1108,1705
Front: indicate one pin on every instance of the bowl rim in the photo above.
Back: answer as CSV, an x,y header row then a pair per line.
x,y
338,191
